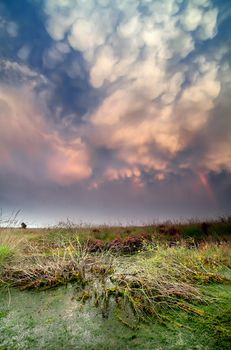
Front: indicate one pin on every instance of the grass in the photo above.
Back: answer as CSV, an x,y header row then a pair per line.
x,y
54,319
5,253
10,245
159,279
219,326
151,283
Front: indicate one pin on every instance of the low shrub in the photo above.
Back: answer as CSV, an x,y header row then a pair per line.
x,y
96,245
130,244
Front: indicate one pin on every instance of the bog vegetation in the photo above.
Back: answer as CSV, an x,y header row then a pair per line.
x,y
155,273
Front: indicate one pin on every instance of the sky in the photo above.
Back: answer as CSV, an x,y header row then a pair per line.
x,y
115,111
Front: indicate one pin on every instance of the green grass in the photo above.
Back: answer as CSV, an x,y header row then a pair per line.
x,y
10,244
172,293
5,253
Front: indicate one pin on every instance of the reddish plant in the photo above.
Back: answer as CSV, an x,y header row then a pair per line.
x,y
116,244
96,245
130,244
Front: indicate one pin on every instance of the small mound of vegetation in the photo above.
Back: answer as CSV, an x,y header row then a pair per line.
x,y
47,275
159,279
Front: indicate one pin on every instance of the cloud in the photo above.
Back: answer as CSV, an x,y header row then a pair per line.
x,y
192,18
69,161
219,157
10,28
31,145
158,88
208,25
24,52
15,73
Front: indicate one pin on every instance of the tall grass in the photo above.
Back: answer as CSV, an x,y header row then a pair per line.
x,y
9,221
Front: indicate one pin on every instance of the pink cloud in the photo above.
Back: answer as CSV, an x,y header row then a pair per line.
x,y
28,141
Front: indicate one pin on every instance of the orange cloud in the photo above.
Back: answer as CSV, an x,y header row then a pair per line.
x,y
69,161
29,142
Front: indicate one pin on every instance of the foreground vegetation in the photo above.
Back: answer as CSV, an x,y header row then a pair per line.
x,y
162,286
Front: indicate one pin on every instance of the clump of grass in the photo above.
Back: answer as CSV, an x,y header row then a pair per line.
x,y
43,275
160,279
10,246
6,253
138,297
70,263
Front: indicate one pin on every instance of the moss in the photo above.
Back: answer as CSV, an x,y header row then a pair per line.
x,y
219,325
54,319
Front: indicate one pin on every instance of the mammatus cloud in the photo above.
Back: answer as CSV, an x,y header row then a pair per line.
x,y
159,87
9,28
158,91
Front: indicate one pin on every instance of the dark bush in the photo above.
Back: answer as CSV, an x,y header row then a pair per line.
x,y
205,227
96,230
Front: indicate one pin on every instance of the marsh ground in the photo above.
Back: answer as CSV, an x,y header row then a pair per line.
x,y
155,287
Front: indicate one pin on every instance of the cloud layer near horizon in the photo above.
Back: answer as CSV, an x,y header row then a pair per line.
x,y
161,81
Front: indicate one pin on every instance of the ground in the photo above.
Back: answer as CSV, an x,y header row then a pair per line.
x,y
43,307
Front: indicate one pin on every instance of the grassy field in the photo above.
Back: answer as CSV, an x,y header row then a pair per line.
x,y
152,287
